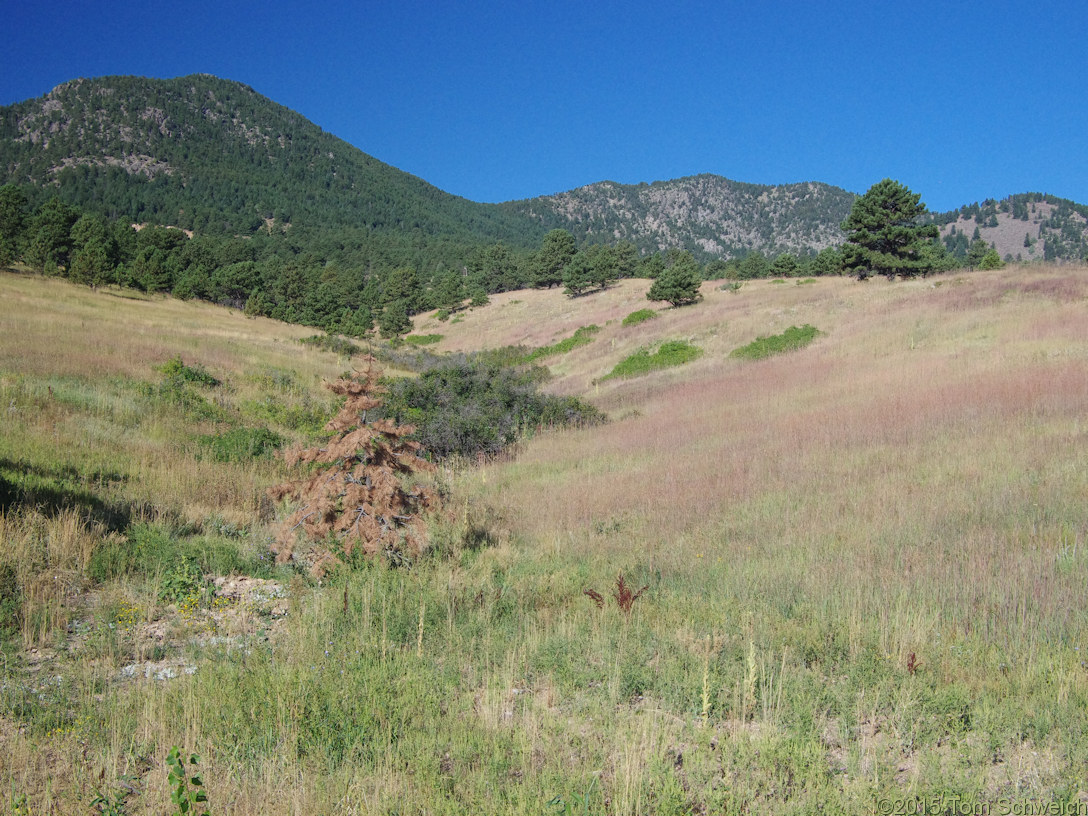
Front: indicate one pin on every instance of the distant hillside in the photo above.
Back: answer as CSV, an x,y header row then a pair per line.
x,y
708,215
215,156
258,183
1024,227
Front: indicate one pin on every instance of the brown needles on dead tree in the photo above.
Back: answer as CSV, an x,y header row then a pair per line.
x,y
358,492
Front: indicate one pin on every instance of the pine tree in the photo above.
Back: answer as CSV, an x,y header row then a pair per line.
x,y
884,236
555,253
679,284
356,490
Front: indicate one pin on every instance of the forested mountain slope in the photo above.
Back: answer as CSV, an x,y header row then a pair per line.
x,y
291,222
706,214
216,157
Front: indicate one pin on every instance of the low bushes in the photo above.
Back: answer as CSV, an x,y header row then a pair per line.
x,y
242,444
668,354
794,337
580,338
332,342
471,407
423,339
641,316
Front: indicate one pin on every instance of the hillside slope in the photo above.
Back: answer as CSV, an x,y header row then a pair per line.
x,y
706,214
859,566
1023,227
213,155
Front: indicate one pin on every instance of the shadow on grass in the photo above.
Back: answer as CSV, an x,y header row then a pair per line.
x,y
54,490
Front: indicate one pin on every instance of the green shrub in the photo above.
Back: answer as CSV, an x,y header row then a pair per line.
x,y
155,549
306,415
792,338
176,390
580,338
196,374
186,785
332,342
504,356
641,316
182,581
470,407
668,354
243,444
423,339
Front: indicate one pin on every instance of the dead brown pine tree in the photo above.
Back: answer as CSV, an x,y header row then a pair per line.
x,y
358,492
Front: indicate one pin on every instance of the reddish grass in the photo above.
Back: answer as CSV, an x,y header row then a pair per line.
x,y
913,453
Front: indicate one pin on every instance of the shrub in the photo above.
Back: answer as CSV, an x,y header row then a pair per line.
x,y
331,342
668,354
792,338
175,369
243,444
176,389
183,581
305,416
471,407
641,316
153,549
580,338
10,599
423,339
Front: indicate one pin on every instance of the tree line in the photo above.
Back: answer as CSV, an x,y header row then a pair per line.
x,y
272,274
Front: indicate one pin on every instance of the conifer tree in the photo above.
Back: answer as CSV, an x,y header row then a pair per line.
x,y
884,236
679,284
356,492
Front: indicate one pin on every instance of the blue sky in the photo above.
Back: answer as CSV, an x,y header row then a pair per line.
x,y
960,101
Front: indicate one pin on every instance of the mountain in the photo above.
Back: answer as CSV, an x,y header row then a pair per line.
x,y
1023,227
706,214
216,157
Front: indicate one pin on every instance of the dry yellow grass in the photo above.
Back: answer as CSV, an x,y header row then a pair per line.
x,y
52,327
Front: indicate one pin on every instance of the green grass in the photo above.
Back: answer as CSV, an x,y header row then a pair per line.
x,y
332,342
422,339
793,338
581,337
640,316
668,354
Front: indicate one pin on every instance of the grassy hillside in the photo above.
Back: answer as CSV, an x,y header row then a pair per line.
x,y
862,560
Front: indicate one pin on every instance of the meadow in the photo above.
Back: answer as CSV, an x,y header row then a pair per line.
x,y
862,564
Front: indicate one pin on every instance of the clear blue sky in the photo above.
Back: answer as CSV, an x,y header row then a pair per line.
x,y
493,101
